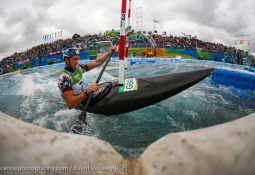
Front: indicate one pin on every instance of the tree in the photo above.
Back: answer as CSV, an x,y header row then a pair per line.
x,y
75,36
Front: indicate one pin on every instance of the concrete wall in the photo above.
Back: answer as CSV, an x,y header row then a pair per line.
x,y
223,149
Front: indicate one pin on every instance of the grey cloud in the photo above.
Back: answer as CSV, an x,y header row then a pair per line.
x,y
23,23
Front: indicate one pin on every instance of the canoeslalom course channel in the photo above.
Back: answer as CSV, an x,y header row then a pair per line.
x,y
33,96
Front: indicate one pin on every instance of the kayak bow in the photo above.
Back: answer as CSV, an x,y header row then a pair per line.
x,y
151,89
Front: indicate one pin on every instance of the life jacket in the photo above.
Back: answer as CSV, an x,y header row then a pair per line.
x,y
76,80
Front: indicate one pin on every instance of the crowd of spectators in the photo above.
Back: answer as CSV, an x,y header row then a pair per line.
x,y
192,43
135,40
43,50
188,43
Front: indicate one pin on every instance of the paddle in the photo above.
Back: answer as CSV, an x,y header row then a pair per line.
x,y
81,124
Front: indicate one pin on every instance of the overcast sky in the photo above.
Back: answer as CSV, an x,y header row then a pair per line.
x,y
23,23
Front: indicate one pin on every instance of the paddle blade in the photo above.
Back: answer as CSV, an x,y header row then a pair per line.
x,y
83,114
81,127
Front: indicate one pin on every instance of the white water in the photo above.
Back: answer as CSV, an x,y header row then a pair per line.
x,y
34,97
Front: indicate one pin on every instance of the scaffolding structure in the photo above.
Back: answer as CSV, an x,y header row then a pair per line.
x,y
241,39
139,19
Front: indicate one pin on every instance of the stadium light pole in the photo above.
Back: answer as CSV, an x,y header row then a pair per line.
x,y
154,24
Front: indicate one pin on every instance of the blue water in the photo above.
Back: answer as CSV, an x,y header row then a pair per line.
x,y
33,97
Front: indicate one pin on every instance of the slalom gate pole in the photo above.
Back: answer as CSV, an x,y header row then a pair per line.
x,y
122,42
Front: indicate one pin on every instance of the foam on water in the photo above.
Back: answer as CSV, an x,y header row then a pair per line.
x,y
33,96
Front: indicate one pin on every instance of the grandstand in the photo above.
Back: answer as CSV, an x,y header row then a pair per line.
x,y
141,44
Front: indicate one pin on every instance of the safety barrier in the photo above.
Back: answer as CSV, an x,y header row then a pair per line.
x,y
240,79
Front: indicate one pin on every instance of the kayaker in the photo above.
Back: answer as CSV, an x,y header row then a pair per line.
x,y
70,80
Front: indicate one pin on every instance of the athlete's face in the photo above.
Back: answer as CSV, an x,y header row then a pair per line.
x,y
73,61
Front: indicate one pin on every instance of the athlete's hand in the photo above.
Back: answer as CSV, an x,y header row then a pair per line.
x,y
92,88
114,48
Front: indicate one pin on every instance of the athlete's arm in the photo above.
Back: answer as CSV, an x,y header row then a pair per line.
x,y
101,60
98,62
74,100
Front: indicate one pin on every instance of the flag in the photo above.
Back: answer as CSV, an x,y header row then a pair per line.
x,y
241,42
52,35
